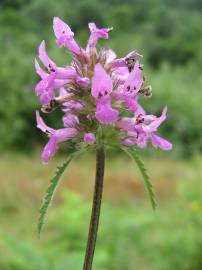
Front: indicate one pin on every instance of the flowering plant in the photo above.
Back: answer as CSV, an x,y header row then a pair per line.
x,y
98,94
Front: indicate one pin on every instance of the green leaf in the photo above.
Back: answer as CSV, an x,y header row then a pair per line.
x,y
50,192
140,164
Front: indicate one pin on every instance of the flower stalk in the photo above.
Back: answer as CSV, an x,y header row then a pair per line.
x,y
96,207
99,96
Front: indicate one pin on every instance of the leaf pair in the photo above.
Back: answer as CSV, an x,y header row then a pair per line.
x,y
60,170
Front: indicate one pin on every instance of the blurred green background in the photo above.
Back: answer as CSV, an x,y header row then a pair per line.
x,y
169,35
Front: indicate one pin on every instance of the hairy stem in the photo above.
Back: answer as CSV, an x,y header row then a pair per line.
x,y
95,214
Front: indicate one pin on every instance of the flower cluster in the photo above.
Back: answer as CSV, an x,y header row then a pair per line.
x,y
96,89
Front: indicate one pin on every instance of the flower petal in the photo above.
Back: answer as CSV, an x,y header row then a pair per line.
x,y
70,120
43,56
125,61
158,121
40,71
58,136
41,86
83,81
101,82
134,81
60,28
49,150
142,142
64,134
96,33
72,45
127,124
105,114
72,105
45,88
130,102
89,138
60,83
42,126
46,96
65,36
160,142
129,141
66,73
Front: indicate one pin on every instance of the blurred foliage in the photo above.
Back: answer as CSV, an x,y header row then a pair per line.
x,y
164,240
168,33
131,235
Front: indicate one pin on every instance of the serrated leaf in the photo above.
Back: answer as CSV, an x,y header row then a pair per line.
x,y
50,192
140,164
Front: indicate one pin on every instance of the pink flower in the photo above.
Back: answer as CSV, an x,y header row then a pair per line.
x,y
160,142
143,127
101,90
96,34
134,81
56,78
105,114
130,88
96,89
65,36
55,137
70,120
46,88
89,138
127,61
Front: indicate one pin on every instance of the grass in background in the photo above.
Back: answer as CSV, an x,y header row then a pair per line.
x,y
131,235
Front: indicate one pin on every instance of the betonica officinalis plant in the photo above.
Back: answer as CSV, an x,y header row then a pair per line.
x,y
98,95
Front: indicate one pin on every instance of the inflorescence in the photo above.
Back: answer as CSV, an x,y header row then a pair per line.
x,y
95,90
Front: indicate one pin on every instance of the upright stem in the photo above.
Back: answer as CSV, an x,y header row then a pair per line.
x,y
95,214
